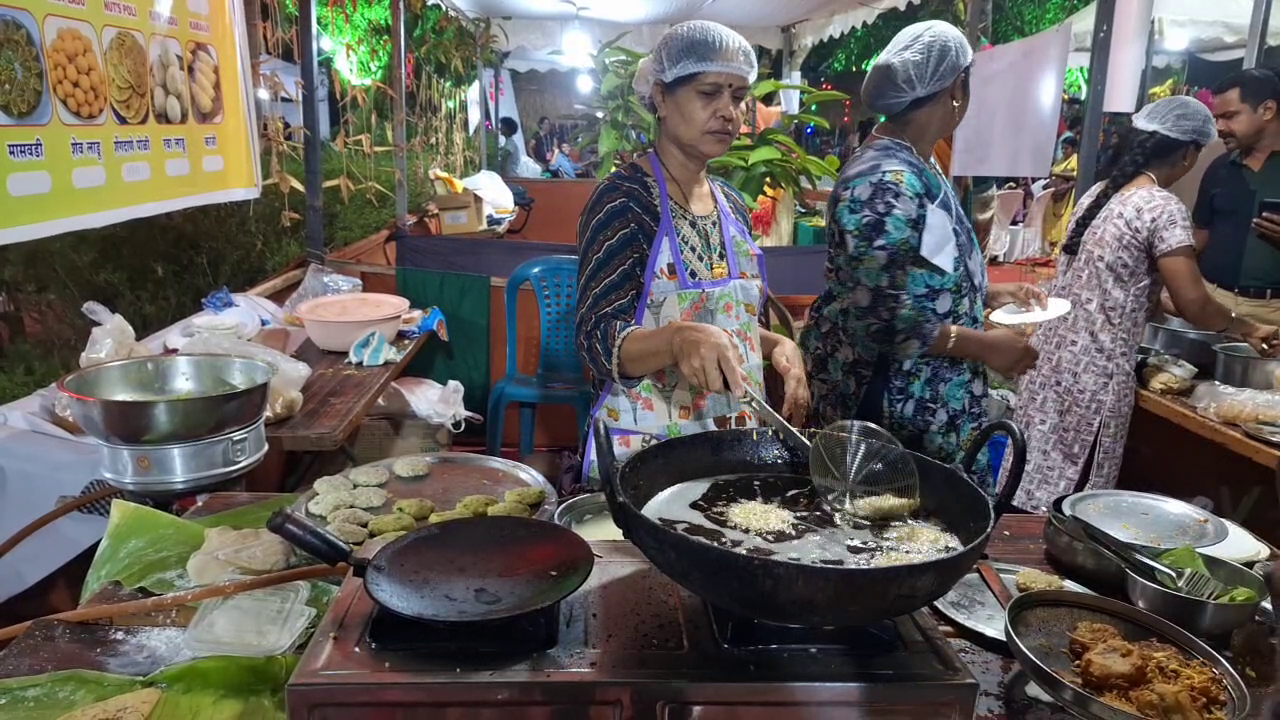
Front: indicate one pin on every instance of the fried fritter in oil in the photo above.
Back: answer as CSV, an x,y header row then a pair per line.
x,y
1165,702
1088,634
1113,665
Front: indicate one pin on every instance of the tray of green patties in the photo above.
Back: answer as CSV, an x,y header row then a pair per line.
x,y
370,505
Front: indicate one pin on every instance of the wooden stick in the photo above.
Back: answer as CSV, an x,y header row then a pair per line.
x,y
162,602
64,509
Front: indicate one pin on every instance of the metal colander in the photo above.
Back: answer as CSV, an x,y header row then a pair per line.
x,y
861,469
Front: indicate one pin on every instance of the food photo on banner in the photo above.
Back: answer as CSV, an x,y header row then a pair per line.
x,y
111,110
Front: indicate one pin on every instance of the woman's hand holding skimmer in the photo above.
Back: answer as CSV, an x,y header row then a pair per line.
x,y
707,358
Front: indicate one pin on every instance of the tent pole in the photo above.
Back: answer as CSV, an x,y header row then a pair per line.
x,y
398,88
484,104
312,142
1099,57
1259,22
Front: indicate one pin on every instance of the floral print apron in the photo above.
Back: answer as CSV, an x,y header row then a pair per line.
x,y
665,404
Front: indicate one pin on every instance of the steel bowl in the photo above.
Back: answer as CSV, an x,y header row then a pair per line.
x,y
1078,557
167,399
1037,626
579,509
1179,338
1202,618
1239,365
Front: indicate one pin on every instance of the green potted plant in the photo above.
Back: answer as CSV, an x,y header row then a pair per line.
x,y
619,123
772,170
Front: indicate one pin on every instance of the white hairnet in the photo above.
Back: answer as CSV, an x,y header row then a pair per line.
x,y
690,48
920,60
1179,117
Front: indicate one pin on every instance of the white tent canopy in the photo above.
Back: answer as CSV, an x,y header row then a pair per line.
x,y
535,28
1199,26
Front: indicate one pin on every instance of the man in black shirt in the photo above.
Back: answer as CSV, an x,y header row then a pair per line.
x,y
1240,248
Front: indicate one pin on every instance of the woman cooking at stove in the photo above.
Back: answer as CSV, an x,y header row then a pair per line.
x,y
1129,237
670,284
897,337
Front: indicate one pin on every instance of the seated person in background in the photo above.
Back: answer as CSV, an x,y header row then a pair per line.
x,y
564,165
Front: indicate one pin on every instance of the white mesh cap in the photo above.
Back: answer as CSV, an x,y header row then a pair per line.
x,y
920,60
694,47
1179,117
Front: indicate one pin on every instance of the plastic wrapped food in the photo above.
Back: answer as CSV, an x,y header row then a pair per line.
x,y
319,281
1237,406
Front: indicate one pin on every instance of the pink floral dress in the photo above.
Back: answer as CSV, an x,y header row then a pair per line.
x,y
1082,388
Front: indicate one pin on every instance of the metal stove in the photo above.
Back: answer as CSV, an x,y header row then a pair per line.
x,y
630,645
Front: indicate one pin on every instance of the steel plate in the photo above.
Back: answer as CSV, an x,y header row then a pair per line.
x,y
1146,520
1266,432
1037,626
970,604
453,476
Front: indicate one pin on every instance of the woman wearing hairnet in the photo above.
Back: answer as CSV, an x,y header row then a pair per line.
x,y
670,283
1129,237
897,337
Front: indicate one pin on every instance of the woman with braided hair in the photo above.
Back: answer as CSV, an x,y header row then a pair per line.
x,y
1129,237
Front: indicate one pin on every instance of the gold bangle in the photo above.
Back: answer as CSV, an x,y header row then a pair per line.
x,y
951,339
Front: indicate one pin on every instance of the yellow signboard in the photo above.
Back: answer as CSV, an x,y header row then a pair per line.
x,y
117,109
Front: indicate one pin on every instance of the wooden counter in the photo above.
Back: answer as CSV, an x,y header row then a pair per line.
x,y
1173,450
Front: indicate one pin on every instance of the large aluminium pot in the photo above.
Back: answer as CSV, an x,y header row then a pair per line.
x,y
1239,365
1181,339
793,593
166,399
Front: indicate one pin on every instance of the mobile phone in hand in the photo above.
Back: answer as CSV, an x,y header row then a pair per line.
x,y
1269,206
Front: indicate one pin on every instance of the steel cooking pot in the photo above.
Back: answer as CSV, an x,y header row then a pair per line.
x,y
1179,338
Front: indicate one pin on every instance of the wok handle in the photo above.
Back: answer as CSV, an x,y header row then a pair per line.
x,y
1017,461
607,466
313,540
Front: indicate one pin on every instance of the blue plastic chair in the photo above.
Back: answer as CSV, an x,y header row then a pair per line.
x,y
561,379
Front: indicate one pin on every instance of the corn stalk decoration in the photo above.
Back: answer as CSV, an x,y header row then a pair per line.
x,y
445,52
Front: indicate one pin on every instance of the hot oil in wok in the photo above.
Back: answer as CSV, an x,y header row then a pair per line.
x,y
698,508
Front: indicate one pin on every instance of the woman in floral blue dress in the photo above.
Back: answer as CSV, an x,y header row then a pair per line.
x,y
897,337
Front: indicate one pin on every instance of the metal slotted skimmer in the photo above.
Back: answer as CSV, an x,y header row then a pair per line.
x,y
857,467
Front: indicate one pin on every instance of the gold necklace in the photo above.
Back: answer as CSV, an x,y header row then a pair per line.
x,y
719,270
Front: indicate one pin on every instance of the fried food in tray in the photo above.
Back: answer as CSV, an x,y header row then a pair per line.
x,y
1147,678
21,77
76,73
127,73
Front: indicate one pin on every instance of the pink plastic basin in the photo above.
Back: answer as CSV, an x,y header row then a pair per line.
x,y
336,322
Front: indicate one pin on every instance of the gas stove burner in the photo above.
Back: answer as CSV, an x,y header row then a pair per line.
x,y
526,634
737,632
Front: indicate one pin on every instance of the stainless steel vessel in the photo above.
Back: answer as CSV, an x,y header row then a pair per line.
x,y
1239,365
1177,337
183,467
168,399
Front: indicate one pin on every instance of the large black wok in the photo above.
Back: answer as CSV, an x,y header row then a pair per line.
x,y
787,592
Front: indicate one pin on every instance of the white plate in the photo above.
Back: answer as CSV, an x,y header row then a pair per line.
x,y
1241,546
1013,315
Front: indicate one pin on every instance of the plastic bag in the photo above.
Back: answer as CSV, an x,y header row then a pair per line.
x,y
427,399
319,281
112,339
1236,406
493,190
284,395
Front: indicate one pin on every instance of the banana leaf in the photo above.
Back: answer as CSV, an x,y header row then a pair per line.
x,y
213,688
143,548
52,695
149,549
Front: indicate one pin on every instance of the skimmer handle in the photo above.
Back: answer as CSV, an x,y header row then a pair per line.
x,y
779,423
1123,551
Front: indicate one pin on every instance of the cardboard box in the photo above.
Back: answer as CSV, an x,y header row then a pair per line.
x,y
460,212
380,438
